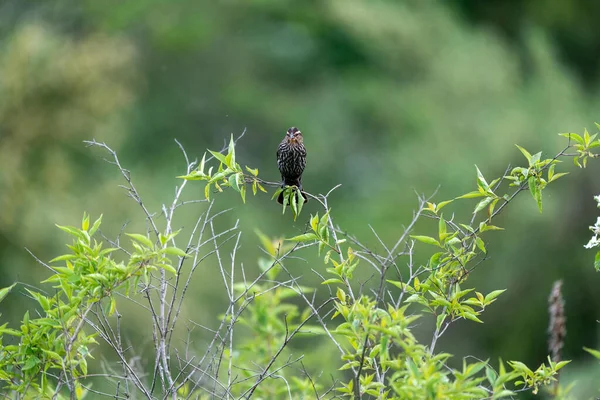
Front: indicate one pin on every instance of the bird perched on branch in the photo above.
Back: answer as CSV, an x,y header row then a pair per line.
x,y
291,160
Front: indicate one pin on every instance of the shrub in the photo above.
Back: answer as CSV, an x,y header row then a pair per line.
x,y
369,322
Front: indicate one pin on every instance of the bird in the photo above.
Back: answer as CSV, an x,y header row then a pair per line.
x,y
291,161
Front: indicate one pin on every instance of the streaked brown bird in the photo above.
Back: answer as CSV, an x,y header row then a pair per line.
x,y
291,160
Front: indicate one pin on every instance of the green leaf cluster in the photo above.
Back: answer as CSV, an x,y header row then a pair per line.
x,y
228,174
293,197
56,342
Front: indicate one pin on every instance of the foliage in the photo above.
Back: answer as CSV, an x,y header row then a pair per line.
x,y
388,94
57,343
228,174
373,320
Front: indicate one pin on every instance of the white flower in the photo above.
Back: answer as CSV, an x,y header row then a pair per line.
x,y
596,228
592,243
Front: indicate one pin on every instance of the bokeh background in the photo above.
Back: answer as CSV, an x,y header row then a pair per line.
x,y
393,98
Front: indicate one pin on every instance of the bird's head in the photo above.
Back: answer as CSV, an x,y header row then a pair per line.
x,y
293,135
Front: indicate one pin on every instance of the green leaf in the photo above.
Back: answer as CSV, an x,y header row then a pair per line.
x,y
586,137
96,225
9,331
41,299
472,317
503,393
482,204
306,237
141,239
64,257
593,352
561,364
398,284
594,144
301,201
175,251
426,239
551,172
30,363
597,262
492,295
471,195
485,227
5,291
207,191
85,223
70,230
573,136
330,281
525,153
491,375
536,191
202,162
286,199
96,276
266,243
443,204
231,153
294,204
314,222
219,156
276,194
193,176
480,244
113,306
243,194
168,268
520,367
556,176
233,182
492,206
254,171
439,321
53,355
442,229
481,182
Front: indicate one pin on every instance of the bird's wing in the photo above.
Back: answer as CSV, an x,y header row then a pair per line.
x,y
279,157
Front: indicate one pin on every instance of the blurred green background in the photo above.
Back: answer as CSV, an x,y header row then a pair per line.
x,y
393,97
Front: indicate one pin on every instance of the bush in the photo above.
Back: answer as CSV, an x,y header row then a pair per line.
x,y
366,310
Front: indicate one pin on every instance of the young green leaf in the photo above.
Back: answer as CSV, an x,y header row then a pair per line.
x,y
96,225
593,352
254,171
175,251
573,136
5,291
222,159
426,239
481,182
492,296
525,153
141,239
306,237
471,195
